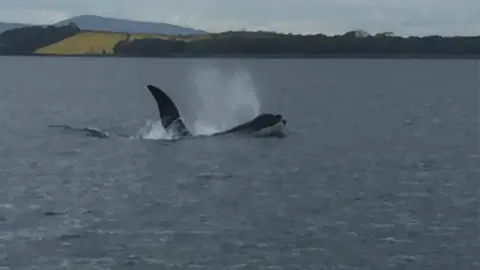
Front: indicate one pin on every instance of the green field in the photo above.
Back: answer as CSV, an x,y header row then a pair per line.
x,y
91,42
101,42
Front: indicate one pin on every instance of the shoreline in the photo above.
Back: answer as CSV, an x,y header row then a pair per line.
x,y
261,56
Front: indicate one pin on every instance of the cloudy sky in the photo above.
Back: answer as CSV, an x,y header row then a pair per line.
x,y
404,17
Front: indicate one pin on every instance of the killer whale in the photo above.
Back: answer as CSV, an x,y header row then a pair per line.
x,y
264,125
89,131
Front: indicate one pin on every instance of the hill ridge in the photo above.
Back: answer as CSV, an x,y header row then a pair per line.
x,y
116,25
110,24
5,26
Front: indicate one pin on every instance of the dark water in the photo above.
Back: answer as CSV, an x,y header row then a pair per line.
x,y
380,170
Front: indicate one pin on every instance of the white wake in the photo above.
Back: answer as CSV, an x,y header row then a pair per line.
x,y
153,130
221,99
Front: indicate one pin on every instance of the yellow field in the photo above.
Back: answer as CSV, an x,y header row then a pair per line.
x,y
139,36
91,42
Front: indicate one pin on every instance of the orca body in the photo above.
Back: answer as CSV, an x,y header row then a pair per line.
x,y
168,112
89,131
264,125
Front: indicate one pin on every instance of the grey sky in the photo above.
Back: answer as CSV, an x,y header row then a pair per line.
x,y
404,17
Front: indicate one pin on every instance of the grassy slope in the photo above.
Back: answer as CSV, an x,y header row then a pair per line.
x,y
90,42
100,42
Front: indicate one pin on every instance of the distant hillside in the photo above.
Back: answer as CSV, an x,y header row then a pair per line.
x,y
25,40
91,42
262,44
66,38
98,23
7,26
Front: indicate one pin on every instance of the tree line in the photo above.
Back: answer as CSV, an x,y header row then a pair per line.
x,y
350,43
26,40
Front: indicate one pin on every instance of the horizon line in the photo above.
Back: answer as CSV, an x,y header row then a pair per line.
x,y
243,29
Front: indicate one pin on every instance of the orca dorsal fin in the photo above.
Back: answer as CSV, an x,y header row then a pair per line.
x,y
168,111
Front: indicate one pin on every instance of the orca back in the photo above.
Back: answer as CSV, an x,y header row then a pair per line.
x,y
258,123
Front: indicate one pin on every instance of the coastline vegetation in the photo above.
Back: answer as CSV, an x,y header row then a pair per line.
x,y
69,40
92,43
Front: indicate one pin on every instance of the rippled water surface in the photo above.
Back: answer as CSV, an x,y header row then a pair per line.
x,y
380,169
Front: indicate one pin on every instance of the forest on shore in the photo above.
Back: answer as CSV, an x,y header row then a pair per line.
x,y
24,41
239,43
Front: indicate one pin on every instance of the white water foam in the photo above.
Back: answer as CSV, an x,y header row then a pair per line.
x,y
222,98
153,130
219,100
